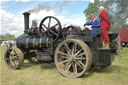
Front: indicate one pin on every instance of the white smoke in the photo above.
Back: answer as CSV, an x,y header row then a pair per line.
x,y
58,6
92,1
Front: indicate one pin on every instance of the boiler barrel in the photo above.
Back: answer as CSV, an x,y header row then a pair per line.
x,y
32,42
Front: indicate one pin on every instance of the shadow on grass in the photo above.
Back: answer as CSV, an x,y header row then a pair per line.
x,y
110,69
28,65
42,65
88,74
48,66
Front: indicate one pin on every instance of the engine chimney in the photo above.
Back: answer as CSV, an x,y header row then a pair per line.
x,y
26,21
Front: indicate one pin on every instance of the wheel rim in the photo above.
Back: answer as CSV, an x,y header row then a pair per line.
x,y
71,58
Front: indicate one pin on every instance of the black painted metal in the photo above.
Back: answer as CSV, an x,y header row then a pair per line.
x,y
26,21
32,42
51,31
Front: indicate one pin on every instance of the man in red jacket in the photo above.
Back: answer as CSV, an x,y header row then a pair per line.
x,y
105,24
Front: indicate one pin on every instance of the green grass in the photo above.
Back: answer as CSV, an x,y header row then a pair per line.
x,y
47,74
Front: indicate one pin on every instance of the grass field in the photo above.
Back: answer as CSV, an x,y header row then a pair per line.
x,y
47,74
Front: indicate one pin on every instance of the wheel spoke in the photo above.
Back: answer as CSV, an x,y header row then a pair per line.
x,y
55,25
81,58
62,53
65,57
15,62
53,32
67,64
75,68
74,48
68,67
80,64
49,23
81,54
67,48
57,30
11,64
62,62
78,52
44,26
16,57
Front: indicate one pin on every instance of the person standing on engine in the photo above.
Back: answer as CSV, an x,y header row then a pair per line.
x,y
94,22
105,25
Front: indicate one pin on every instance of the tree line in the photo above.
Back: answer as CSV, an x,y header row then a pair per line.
x,y
7,36
117,10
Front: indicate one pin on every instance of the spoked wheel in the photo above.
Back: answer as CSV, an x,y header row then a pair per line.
x,y
51,26
73,58
14,58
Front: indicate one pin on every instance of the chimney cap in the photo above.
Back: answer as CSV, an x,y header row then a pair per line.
x,y
26,13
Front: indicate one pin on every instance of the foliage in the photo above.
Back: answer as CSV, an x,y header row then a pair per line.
x,y
7,36
20,35
92,9
117,10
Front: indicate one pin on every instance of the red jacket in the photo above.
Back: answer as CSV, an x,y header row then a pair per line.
x,y
104,19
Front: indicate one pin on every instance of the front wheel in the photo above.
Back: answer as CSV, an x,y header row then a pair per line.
x,y
73,58
14,57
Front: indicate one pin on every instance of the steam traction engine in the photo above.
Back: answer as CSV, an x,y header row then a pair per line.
x,y
73,51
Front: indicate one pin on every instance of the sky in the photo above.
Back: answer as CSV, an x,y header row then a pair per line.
x,y
67,11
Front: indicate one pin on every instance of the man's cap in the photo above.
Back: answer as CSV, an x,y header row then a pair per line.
x,y
101,7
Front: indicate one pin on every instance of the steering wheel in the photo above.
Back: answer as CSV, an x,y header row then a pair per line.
x,y
51,26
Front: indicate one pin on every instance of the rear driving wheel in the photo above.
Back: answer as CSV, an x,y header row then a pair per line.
x,y
73,58
14,58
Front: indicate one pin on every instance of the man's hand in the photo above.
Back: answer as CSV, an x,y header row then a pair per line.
x,y
84,24
110,27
